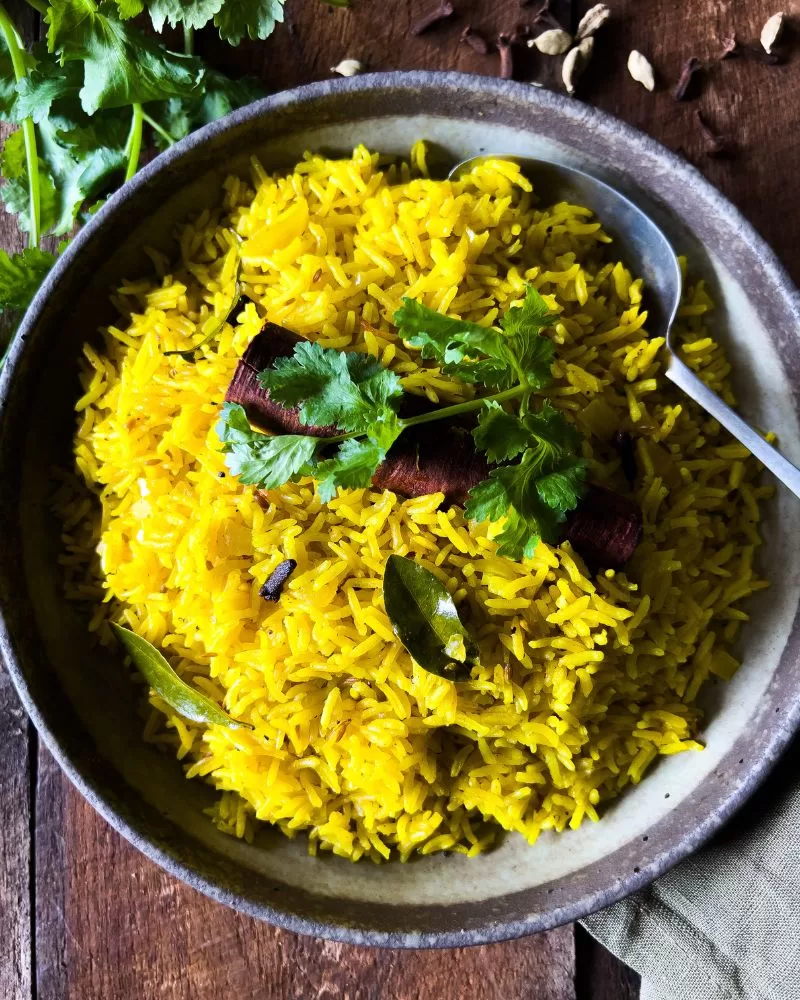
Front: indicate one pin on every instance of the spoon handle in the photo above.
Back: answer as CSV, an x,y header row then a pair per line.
x,y
694,387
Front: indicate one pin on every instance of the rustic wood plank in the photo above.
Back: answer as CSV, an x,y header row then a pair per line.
x,y
15,854
111,925
18,740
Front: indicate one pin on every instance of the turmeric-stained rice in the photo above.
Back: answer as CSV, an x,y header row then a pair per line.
x,y
584,679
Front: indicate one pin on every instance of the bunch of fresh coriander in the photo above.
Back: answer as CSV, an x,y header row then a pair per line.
x,y
538,475
84,100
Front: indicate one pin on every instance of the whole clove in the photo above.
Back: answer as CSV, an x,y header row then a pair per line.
x,y
687,88
434,16
716,143
475,40
271,590
505,48
605,528
625,448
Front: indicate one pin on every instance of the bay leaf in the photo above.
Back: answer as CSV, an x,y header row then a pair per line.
x,y
180,696
426,621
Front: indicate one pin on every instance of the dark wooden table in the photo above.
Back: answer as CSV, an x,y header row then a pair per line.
x,y
83,916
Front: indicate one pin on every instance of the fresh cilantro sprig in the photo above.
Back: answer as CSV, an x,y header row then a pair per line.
x,y
353,392
85,103
538,476
535,492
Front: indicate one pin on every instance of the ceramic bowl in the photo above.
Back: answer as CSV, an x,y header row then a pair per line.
x,y
81,701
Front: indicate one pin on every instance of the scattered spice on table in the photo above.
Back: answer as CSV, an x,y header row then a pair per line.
x,y
553,42
592,21
505,48
733,48
348,67
470,36
688,85
441,12
716,143
575,63
772,31
641,69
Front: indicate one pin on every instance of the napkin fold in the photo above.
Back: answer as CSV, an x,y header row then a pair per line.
x,y
724,924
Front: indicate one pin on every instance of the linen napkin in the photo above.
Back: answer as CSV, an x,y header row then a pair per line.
x,y
725,924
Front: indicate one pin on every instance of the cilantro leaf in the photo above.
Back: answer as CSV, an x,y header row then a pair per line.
x,y
8,87
451,341
258,459
552,435
129,8
47,83
561,489
79,154
479,354
181,115
352,467
501,435
488,501
534,313
15,193
121,65
20,276
510,493
519,537
495,374
534,357
534,494
332,388
191,13
255,18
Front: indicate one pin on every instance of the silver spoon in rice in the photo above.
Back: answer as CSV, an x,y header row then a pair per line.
x,y
649,254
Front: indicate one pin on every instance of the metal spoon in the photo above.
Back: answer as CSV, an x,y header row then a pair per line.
x,y
649,254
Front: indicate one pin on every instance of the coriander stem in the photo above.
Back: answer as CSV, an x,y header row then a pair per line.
x,y
468,407
188,40
157,128
17,54
134,145
443,412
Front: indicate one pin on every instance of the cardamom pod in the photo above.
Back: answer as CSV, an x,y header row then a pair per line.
x,y
348,67
772,31
592,21
553,42
641,70
575,63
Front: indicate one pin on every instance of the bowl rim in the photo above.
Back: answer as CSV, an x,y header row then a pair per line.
x,y
86,779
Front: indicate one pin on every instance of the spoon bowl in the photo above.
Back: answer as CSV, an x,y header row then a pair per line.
x,y
650,255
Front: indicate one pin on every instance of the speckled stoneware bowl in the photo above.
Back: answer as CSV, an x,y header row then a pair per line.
x,y
82,702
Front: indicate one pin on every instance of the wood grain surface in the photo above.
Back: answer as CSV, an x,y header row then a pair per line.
x,y
84,916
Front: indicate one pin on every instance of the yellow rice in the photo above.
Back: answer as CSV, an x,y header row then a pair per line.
x,y
584,681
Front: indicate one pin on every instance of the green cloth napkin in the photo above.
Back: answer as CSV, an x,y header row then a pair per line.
x,y
725,924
